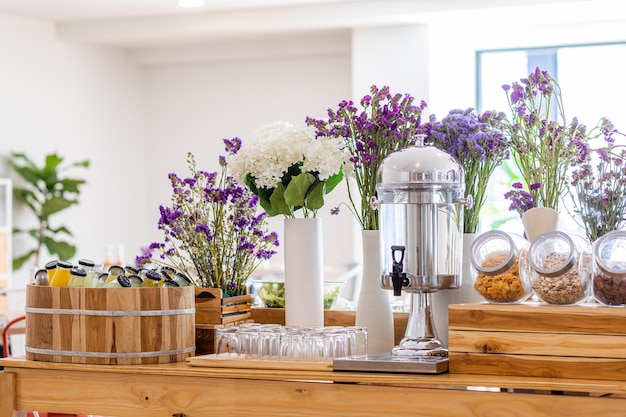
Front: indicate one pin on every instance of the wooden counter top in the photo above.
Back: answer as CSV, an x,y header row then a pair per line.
x,y
180,390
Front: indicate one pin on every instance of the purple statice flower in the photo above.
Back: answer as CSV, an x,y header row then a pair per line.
x,y
213,229
597,187
521,200
545,144
478,143
383,124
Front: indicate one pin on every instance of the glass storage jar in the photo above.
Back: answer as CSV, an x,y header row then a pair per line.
x,y
609,268
560,266
500,267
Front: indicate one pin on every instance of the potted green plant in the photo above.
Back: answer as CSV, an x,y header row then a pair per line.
x,y
45,192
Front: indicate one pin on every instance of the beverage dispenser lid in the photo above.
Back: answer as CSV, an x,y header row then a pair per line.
x,y
420,166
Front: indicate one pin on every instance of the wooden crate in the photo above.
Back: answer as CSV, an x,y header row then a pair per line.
x,y
212,308
532,339
109,326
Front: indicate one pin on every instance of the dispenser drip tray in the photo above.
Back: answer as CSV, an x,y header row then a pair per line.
x,y
387,362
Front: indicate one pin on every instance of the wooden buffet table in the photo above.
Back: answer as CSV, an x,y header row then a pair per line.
x,y
181,390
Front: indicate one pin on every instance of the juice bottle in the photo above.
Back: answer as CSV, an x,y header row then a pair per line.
x,y
77,277
88,265
101,279
41,277
121,281
135,281
114,271
61,275
170,283
131,270
51,268
152,279
182,279
167,272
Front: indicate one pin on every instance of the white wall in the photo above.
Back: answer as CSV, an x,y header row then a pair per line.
x,y
83,102
193,107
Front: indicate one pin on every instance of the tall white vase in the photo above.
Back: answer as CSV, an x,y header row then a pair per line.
x,y
463,295
304,272
374,304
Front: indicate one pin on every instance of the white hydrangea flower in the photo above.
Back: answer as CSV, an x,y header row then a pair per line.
x,y
278,146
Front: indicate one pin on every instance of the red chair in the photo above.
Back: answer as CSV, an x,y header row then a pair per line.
x,y
6,350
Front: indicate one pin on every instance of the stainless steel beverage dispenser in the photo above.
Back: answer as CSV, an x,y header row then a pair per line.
x,y
420,203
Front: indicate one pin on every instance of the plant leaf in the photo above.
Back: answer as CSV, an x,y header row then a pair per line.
x,y
50,168
63,229
333,181
298,188
63,249
54,205
279,205
71,185
315,197
19,261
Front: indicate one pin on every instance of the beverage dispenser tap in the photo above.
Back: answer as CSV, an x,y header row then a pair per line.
x,y
398,277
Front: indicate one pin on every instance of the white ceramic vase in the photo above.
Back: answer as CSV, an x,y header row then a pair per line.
x,y
304,272
539,220
374,303
463,295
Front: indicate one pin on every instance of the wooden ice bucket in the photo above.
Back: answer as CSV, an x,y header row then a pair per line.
x,y
123,326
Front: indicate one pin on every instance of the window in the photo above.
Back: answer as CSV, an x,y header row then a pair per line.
x,y
591,80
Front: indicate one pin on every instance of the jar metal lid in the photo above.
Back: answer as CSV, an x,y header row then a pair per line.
x,y
542,242
506,263
608,242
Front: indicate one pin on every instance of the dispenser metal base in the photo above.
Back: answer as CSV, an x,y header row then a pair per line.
x,y
386,362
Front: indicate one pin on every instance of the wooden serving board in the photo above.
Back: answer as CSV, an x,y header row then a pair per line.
x,y
533,339
225,360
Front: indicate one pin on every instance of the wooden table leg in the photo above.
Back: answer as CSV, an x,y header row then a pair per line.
x,y
7,399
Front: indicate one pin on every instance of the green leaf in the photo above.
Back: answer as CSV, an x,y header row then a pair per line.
x,y
63,249
315,197
62,229
279,205
84,164
19,261
298,188
27,197
50,168
54,205
71,185
333,181
263,193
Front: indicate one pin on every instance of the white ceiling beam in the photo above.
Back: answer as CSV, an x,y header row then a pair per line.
x,y
151,31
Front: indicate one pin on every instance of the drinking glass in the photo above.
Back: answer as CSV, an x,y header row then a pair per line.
x,y
314,346
291,345
357,341
227,341
335,342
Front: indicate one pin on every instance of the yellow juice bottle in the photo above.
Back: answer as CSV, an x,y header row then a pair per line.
x,y
152,279
61,275
51,268
114,271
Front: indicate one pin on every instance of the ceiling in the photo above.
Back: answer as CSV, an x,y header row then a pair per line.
x,y
149,23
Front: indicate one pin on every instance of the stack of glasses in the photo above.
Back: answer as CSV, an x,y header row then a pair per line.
x,y
255,341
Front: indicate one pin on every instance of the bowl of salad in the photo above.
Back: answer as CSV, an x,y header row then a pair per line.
x,y
272,293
